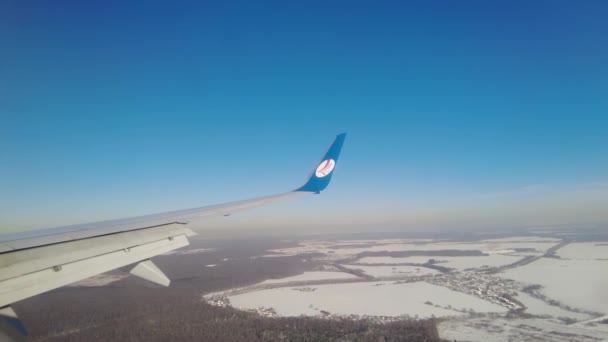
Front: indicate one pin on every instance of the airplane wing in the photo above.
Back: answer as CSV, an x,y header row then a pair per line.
x,y
38,261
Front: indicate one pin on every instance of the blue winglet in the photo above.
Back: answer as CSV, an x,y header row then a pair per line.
x,y
321,175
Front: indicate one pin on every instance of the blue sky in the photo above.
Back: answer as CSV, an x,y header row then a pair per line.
x,y
112,109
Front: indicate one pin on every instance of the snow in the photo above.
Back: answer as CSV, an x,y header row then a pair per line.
x,y
365,298
278,255
388,271
500,251
578,280
459,263
391,260
507,330
522,239
536,306
584,251
308,276
576,283
376,242
497,246
462,263
595,324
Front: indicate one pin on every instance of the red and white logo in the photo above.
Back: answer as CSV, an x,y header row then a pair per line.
x,y
325,168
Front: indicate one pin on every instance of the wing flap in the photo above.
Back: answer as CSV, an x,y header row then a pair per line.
x,y
24,286
26,261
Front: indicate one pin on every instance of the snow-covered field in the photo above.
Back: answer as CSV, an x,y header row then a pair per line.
x,y
391,260
377,242
308,276
369,298
584,251
508,330
342,250
577,283
462,263
538,307
577,278
459,263
483,247
522,239
387,271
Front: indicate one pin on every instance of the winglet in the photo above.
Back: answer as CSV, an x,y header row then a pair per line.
x,y
321,175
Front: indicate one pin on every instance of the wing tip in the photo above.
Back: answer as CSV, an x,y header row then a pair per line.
x,y
321,175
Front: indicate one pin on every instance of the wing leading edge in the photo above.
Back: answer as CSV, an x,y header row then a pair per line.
x,y
317,182
38,261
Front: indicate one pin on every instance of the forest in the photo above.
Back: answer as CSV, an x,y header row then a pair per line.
x,y
134,310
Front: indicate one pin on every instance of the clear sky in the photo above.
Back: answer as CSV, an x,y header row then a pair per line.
x,y
459,113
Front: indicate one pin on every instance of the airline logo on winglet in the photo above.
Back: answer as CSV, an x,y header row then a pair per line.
x,y
325,168
322,173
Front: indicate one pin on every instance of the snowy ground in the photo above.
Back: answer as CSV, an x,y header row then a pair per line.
x,y
578,283
387,271
536,306
507,330
496,246
459,263
369,298
584,251
391,260
470,297
307,276
523,239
